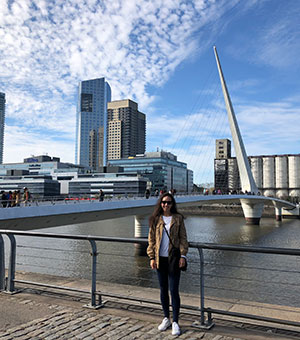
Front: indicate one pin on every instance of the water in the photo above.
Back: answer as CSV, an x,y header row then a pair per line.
x,y
247,276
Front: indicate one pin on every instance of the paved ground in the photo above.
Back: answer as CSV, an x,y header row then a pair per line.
x,y
41,314
74,322
69,320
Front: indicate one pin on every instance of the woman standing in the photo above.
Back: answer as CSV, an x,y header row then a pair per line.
x,y
167,230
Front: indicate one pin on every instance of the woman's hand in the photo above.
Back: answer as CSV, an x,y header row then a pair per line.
x,y
153,264
182,262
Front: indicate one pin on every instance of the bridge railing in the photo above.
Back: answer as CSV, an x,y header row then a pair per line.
x,y
54,200
7,282
91,198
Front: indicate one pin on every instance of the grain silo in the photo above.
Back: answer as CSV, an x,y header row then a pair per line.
x,y
294,175
233,175
257,171
281,176
269,176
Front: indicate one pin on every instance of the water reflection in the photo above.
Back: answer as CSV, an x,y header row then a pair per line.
x,y
226,230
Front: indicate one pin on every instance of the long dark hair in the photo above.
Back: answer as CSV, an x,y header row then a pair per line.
x,y
158,211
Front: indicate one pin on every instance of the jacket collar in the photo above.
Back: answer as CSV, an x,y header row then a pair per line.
x,y
174,219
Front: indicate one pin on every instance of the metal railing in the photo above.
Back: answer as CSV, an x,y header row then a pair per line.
x,y
7,283
36,201
51,200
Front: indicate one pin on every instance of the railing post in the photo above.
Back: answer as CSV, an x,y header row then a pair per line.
x,y
2,265
202,317
209,324
94,254
10,288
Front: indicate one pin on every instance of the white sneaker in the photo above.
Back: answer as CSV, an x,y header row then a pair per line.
x,y
175,329
164,325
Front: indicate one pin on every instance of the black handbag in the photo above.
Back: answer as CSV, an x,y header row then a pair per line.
x,y
174,257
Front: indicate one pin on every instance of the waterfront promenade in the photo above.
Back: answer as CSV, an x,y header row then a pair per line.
x,y
40,313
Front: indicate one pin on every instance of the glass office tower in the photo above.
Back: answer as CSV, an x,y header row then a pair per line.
x,y
91,123
2,120
162,169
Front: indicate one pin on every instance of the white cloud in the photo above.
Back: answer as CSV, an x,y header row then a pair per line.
x,y
275,38
21,143
270,126
279,42
46,47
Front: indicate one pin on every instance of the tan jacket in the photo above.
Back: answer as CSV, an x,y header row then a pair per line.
x,y
177,235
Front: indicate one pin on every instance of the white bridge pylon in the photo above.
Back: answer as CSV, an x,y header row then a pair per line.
x,y
252,211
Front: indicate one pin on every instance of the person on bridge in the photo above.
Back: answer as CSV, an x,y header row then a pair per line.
x,y
101,195
167,230
26,196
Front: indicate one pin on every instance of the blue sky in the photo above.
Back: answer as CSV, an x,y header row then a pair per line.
x,y
160,54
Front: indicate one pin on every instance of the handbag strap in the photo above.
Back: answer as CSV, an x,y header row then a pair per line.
x,y
168,235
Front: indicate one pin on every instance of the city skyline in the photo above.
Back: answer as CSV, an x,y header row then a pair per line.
x,y
159,55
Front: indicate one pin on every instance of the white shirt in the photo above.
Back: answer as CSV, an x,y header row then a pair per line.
x,y
164,244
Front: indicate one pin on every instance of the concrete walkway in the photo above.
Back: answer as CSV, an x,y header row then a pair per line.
x,y
37,313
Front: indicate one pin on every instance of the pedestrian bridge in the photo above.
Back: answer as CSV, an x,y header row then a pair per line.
x,y
51,214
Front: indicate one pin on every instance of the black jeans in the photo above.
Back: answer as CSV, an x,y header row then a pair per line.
x,y
165,278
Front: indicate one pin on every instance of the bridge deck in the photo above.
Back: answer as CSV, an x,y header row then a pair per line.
x,y
50,214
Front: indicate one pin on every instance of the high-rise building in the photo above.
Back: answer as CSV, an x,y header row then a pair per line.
x,y
126,129
91,123
223,152
223,148
2,120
